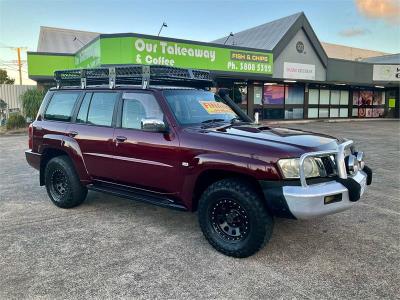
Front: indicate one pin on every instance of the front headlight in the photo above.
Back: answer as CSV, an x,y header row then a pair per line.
x,y
313,167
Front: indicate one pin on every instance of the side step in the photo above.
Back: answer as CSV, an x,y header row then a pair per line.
x,y
135,194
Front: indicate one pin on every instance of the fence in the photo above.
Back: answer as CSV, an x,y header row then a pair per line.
x,y
11,94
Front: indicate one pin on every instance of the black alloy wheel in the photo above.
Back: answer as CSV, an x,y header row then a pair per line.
x,y
59,184
229,219
234,218
62,183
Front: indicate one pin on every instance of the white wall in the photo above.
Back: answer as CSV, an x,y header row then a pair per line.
x,y
11,93
308,56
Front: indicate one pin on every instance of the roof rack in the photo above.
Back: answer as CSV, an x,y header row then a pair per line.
x,y
133,75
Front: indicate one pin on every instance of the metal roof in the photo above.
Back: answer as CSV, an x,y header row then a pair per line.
x,y
265,36
384,59
275,35
59,40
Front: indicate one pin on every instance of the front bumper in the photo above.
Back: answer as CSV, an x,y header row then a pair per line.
x,y
292,200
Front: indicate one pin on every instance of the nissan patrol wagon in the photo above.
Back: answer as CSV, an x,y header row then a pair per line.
x,y
157,134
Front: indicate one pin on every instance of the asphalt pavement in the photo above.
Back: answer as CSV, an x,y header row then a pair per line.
x,y
116,248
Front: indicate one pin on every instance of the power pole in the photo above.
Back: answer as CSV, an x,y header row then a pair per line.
x,y
19,62
19,65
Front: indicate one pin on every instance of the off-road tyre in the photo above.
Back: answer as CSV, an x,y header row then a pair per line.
x,y
245,207
62,183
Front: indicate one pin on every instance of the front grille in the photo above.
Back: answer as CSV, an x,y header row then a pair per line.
x,y
333,161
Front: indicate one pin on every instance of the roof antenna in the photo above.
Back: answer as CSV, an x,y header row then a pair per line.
x,y
230,35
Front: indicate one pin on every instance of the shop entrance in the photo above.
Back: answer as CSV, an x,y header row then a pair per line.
x,y
283,101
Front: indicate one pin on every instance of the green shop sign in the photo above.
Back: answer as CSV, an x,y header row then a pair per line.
x,y
44,65
111,49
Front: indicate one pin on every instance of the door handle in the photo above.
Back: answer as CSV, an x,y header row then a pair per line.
x,y
120,139
72,133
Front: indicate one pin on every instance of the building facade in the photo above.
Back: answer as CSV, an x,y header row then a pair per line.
x,y
278,69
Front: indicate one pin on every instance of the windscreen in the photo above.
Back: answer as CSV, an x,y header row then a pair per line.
x,y
196,107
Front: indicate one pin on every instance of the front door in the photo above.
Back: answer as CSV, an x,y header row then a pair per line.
x,y
145,159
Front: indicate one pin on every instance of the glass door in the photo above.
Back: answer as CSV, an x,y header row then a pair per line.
x,y
294,101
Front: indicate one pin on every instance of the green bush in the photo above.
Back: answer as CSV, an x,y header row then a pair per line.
x,y
31,101
16,121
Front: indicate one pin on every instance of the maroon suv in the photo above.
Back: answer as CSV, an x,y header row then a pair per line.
x,y
173,143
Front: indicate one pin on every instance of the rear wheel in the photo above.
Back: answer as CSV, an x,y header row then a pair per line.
x,y
62,183
234,219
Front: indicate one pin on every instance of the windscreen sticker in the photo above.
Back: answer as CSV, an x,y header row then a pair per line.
x,y
214,108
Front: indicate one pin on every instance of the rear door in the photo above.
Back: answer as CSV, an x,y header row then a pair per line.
x,y
54,121
145,159
93,129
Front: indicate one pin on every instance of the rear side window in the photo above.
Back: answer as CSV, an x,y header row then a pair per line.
x,y
61,106
101,109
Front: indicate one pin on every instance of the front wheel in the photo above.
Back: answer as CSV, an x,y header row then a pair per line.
x,y
62,183
233,218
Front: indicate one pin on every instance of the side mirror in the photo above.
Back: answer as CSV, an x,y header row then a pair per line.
x,y
155,125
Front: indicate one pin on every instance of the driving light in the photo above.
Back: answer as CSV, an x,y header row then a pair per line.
x,y
352,164
313,167
360,159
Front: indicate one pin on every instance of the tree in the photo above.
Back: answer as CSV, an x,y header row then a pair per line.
x,y
31,101
3,107
4,77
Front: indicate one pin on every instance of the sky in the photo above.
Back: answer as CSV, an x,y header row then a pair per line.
x,y
368,24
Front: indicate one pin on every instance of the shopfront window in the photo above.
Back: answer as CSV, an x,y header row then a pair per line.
x,y
368,104
323,113
287,101
335,97
283,101
273,100
344,97
274,94
324,97
294,113
327,103
313,96
294,101
294,95
334,112
344,112
258,95
273,113
313,113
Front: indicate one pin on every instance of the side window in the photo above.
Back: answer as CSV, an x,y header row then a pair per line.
x,y
61,106
83,110
138,106
101,109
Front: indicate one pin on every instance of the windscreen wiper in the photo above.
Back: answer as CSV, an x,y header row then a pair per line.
x,y
212,121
